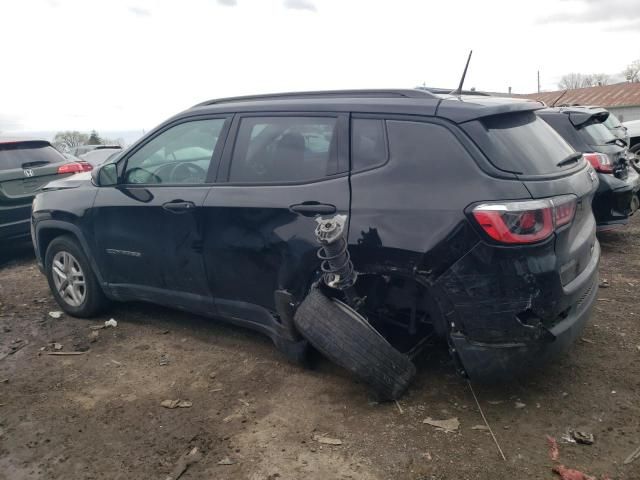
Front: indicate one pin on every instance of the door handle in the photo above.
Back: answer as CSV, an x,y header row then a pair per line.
x,y
309,209
178,206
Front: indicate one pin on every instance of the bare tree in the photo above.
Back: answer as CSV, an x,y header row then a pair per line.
x,y
600,79
582,80
65,141
572,81
632,72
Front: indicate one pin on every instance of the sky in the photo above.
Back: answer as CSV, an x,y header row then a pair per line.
x,y
130,64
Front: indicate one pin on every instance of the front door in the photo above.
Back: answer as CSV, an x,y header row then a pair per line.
x,y
279,173
149,228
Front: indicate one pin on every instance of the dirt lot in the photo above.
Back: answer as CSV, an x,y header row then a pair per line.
x,y
98,415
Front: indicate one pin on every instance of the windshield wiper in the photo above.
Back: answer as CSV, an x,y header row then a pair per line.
x,y
37,163
574,157
616,141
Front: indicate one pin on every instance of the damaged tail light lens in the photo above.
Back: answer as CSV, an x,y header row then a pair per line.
x,y
528,221
75,167
601,162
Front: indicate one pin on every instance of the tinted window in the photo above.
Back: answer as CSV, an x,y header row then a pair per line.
x,y
284,149
598,134
522,143
181,154
368,143
27,155
612,121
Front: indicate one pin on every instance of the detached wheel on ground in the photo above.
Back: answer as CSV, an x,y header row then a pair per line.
x,y
71,279
346,338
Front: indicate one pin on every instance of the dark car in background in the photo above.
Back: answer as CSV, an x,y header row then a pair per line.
x,y
466,218
616,128
25,166
584,129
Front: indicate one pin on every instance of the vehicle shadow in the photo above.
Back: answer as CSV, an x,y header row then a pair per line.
x,y
16,253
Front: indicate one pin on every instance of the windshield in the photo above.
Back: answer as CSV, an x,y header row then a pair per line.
x,y
27,155
598,134
523,143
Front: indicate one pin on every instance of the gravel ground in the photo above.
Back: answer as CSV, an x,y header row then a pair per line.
x,y
253,415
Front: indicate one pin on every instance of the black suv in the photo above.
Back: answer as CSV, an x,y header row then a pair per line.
x,y
25,166
585,129
464,217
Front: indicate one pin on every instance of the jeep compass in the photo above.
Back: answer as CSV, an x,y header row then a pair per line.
x,y
362,222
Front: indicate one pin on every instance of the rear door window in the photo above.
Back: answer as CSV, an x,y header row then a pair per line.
x,y
521,143
27,155
284,149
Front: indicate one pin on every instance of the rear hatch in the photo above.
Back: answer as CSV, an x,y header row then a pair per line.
x,y
602,140
525,145
25,166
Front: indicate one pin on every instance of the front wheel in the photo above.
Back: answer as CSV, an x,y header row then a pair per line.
x,y
71,279
347,338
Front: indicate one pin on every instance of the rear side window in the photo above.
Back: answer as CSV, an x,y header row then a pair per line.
x,y
27,155
368,143
284,149
521,143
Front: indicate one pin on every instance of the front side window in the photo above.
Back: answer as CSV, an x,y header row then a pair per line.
x,y
284,149
179,155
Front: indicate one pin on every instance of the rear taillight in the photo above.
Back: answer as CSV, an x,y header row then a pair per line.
x,y
527,221
75,167
600,161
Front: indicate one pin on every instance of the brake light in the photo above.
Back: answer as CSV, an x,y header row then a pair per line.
x,y
75,167
600,161
528,221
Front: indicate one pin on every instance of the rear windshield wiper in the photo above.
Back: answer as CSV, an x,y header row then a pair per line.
x,y
616,141
39,163
574,157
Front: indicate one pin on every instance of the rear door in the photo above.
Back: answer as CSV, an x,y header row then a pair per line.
x,y
279,173
24,168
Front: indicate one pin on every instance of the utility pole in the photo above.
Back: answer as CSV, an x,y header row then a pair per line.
x,y
538,81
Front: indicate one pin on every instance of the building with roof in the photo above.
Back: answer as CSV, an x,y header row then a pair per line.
x,y
621,99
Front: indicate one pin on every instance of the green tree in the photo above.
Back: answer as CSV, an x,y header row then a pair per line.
x,y
94,138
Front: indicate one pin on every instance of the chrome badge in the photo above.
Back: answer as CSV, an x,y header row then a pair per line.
x,y
28,172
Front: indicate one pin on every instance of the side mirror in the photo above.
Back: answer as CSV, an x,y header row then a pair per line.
x,y
106,175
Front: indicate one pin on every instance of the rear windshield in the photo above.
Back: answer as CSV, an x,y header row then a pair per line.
x,y
612,121
598,134
27,155
522,143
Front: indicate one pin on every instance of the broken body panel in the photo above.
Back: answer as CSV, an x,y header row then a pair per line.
x,y
247,253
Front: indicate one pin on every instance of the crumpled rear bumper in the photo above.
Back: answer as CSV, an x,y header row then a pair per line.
x,y
487,362
616,199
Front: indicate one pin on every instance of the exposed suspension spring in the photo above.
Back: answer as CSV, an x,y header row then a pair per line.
x,y
337,268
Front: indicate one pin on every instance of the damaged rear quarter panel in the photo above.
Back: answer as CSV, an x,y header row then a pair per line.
x,y
407,216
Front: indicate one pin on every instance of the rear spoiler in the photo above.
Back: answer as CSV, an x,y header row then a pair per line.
x,y
459,108
580,119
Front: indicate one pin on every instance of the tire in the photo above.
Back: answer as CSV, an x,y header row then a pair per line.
x,y
348,340
89,299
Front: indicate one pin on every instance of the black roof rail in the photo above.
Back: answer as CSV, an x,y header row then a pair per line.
x,y
386,93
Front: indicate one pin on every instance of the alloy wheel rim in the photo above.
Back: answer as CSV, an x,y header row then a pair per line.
x,y
68,278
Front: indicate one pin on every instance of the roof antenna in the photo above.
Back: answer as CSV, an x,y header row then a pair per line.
x,y
458,91
557,99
